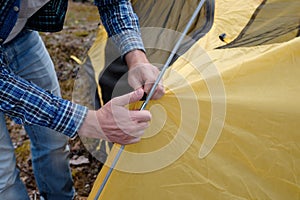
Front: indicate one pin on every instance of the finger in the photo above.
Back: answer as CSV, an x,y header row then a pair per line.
x,y
129,98
135,77
140,116
140,128
134,82
149,84
127,139
134,140
119,137
159,92
139,133
147,87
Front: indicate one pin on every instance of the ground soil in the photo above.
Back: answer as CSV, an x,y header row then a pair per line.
x,y
78,35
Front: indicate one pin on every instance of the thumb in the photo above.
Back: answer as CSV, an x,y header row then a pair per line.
x,y
129,98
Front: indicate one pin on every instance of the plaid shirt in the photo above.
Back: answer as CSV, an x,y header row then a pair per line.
x,y
25,102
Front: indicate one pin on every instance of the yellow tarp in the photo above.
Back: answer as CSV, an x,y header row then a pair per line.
x,y
228,126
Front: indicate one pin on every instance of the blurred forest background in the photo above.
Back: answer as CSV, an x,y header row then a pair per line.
x,y
78,35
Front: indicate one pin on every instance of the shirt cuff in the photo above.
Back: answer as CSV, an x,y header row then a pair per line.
x,y
69,117
127,41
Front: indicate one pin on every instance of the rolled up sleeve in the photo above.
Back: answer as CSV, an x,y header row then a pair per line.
x,y
121,24
26,103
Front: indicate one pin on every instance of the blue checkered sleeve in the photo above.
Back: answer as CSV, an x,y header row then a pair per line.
x,y
26,103
121,24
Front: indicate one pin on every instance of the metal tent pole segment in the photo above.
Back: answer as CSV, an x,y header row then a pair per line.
x,y
109,172
176,47
149,96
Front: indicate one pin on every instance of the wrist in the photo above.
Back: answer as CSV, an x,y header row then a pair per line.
x,y
91,126
135,57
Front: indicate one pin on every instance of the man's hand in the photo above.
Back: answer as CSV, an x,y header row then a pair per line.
x,y
113,122
142,74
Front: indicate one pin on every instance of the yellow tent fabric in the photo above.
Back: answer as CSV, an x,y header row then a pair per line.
x,y
228,126
104,72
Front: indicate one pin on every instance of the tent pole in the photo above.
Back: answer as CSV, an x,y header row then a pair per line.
x,y
176,47
149,96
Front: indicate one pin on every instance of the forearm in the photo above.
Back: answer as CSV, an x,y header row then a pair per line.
x,y
26,103
122,25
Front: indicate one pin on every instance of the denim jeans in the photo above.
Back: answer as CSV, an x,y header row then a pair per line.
x,y
29,59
